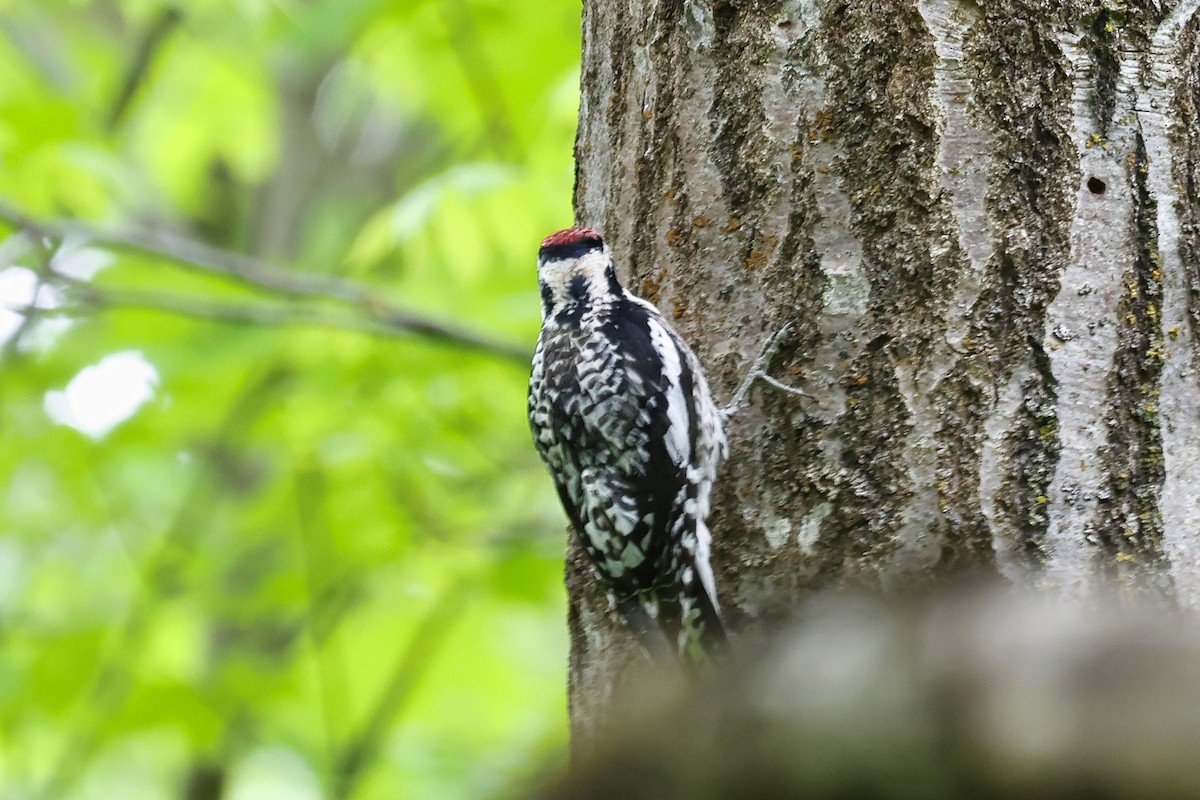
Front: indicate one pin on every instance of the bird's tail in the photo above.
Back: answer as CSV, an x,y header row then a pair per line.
x,y
678,625
701,637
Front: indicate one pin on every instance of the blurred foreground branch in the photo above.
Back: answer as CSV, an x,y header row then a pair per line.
x,y
965,694
370,314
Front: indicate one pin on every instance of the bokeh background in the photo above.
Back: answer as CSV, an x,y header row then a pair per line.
x,y
257,539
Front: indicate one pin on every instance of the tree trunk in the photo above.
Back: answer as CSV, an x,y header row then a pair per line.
x,y
981,221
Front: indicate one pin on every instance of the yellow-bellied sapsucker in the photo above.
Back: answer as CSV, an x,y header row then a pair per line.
x,y
622,416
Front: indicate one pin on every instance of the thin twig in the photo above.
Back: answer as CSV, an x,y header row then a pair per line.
x,y
374,315
783,387
151,45
758,371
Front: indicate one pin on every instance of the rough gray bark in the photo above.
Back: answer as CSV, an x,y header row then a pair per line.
x,y
982,221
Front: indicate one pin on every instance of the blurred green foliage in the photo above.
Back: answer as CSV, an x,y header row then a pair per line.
x,y
315,562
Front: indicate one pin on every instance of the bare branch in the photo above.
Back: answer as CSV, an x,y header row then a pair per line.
x,y
373,315
89,300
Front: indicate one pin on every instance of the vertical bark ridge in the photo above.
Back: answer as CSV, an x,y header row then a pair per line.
x,y
599,77
1173,152
738,128
959,394
1082,329
881,121
1100,27
1022,95
964,152
656,141
1128,525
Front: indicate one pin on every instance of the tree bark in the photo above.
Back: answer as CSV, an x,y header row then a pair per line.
x,y
981,220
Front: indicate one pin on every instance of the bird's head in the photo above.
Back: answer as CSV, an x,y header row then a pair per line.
x,y
575,270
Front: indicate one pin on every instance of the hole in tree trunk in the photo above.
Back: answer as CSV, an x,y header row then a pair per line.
x,y
1096,186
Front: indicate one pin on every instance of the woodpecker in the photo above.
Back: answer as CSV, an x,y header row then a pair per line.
x,y
622,416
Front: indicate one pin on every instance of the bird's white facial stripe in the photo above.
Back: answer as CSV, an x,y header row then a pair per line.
x,y
677,409
558,273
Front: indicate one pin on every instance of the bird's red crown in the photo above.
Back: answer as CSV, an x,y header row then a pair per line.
x,y
570,236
